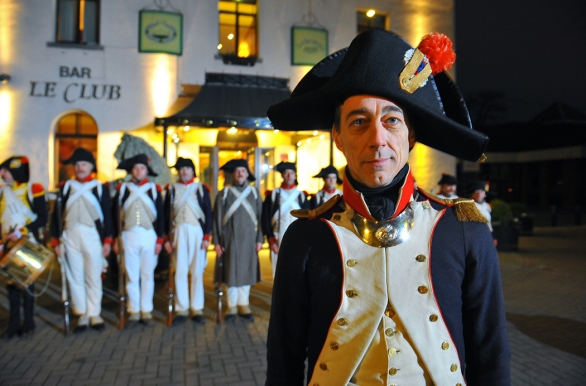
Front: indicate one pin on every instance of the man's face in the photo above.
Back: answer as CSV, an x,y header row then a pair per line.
x,y
374,138
479,196
447,190
186,173
239,175
139,172
6,175
83,169
289,177
330,181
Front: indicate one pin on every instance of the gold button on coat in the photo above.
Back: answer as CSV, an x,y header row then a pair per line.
x,y
323,366
425,205
389,332
351,293
390,313
433,318
393,371
445,346
334,346
342,322
421,258
422,289
351,263
392,352
454,368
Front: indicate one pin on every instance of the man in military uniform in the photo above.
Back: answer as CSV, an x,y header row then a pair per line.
x,y
138,208
86,223
188,224
330,176
23,211
277,207
238,238
448,185
478,193
389,285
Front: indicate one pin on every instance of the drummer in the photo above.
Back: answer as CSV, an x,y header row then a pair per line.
x,y
23,211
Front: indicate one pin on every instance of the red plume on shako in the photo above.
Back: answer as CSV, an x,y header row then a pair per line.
x,y
437,48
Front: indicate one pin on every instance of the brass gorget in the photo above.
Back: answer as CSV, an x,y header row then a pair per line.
x,y
384,233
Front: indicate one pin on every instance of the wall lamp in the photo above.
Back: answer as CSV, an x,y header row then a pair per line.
x,y
4,78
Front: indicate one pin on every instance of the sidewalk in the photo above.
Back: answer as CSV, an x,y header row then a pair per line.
x,y
545,296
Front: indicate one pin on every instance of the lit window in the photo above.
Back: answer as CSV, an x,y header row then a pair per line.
x,y
78,21
367,19
238,41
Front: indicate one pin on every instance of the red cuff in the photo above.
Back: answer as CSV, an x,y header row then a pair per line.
x,y
160,240
273,240
24,231
54,242
108,240
207,237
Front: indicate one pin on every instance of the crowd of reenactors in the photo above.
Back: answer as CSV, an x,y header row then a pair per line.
x,y
87,225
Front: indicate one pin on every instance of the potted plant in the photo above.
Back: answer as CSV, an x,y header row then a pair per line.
x,y
505,230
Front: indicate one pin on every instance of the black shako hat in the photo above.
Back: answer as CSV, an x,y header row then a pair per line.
x,y
81,154
128,163
184,162
17,166
325,172
282,166
381,63
231,165
448,180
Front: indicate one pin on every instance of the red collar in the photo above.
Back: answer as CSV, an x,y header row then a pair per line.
x,y
329,191
287,187
356,200
87,179
186,183
141,183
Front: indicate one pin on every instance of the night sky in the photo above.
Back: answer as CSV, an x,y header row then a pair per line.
x,y
521,56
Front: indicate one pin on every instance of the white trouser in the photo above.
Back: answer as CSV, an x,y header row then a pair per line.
x,y
189,258
140,261
83,249
238,296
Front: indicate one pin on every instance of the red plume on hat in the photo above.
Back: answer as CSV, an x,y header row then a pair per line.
x,y
437,48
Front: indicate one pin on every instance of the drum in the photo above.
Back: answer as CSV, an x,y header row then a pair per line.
x,y
25,261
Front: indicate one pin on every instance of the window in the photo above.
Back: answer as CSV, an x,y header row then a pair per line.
x,y
73,130
238,40
78,22
369,19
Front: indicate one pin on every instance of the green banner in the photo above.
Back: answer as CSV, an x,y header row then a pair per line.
x,y
308,45
160,32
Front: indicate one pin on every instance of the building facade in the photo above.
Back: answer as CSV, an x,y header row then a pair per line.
x,y
74,76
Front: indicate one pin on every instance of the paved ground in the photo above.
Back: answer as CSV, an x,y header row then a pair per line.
x,y
545,296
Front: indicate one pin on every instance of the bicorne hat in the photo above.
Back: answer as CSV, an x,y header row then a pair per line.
x,y
17,166
81,154
382,64
282,166
184,162
325,172
231,165
128,163
448,180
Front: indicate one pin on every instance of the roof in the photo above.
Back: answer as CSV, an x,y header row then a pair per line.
x,y
231,100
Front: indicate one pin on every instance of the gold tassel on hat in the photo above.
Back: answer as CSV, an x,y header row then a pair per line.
x,y
466,210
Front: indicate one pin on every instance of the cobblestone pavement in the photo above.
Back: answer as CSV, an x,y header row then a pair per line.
x,y
545,295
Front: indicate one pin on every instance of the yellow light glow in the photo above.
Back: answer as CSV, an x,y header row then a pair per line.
x,y
8,24
243,50
220,46
238,153
232,130
276,131
321,136
169,131
314,133
299,143
370,13
161,84
82,15
231,36
186,128
5,116
308,140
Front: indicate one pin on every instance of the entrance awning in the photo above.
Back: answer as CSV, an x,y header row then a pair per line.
x,y
231,100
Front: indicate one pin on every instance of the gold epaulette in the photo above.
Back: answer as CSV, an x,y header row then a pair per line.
x,y
310,214
466,210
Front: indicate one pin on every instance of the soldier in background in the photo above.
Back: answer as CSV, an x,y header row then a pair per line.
x,y
23,211
448,185
86,218
138,207
331,178
238,238
278,204
188,223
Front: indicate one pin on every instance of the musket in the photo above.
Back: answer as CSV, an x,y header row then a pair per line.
x,y
219,273
170,287
62,258
121,271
